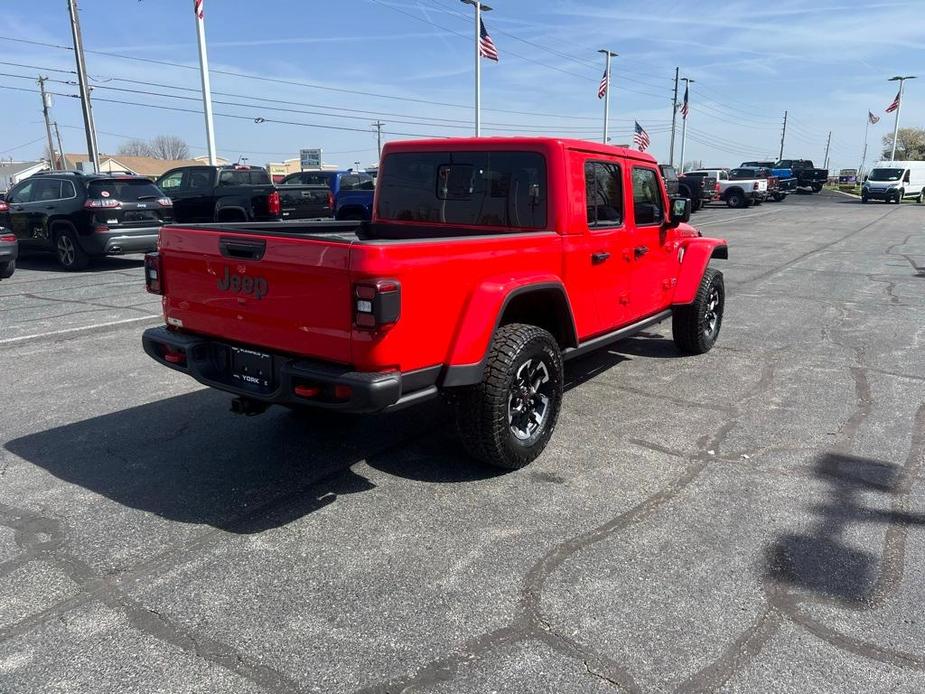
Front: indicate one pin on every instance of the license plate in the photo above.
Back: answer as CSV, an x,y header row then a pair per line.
x,y
252,369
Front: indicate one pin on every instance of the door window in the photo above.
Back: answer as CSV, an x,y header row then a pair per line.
x,y
46,190
22,194
199,179
647,197
604,194
171,181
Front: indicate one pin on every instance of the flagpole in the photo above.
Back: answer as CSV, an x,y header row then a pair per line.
x,y
479,8
864,156
687,92
204,73
608,55
899,108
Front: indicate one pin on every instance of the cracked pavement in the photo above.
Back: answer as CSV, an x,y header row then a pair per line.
x,y
748,520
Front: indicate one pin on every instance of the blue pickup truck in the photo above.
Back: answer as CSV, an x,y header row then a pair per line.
x,y
786,180
352,190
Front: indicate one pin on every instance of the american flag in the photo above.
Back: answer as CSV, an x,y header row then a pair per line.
x,y
684,107
197,8
895,105
486,45
640,138
872,118
602,87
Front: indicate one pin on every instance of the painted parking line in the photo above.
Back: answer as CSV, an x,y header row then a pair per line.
x,y
80,329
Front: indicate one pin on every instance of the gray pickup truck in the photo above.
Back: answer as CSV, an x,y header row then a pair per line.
x,y
236,193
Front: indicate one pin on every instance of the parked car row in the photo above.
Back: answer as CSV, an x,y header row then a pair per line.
x,y
81,216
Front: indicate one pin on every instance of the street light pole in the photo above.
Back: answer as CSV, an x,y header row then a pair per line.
x,y
479,8
899,108
687,91
609,55
199,13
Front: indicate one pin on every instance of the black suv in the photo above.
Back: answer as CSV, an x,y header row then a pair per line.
x,y
80,216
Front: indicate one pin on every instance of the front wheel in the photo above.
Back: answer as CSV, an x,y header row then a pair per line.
x,y
508,418
696,326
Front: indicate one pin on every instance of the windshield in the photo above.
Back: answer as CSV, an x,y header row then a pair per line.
x,y
124,189
499,189
886,174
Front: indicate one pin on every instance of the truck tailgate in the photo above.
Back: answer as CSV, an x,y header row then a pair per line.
x,y
287,294
305,201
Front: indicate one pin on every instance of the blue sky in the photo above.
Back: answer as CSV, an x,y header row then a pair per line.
x,y
409,63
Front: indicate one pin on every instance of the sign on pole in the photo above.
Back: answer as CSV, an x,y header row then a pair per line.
x,y
310,158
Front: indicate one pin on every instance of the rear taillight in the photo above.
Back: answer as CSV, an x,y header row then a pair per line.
x,y
4,207
377,304
274,206
755,186
331,200
716,187
165,202
154,281
104,203
8,238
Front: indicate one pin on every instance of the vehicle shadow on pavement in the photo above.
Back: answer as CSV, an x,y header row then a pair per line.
x,y
46,262
188,459
822,561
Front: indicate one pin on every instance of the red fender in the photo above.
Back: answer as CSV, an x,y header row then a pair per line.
x,y
697,253
483,311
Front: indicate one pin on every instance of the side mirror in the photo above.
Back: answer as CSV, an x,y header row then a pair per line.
x,y
680,211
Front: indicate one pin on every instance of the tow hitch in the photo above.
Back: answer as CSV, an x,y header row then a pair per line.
x,y
247,406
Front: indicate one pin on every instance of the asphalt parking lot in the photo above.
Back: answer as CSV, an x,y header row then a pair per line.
x,y
749,520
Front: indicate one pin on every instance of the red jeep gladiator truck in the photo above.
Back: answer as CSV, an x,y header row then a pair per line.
x,y
487,263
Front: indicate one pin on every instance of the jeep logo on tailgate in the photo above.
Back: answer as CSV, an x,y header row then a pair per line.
x,y
243,284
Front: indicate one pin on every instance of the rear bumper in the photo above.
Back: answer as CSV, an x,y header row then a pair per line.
x,y
8,252
208,361
119,241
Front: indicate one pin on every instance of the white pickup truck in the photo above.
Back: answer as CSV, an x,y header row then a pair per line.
x,y
738,193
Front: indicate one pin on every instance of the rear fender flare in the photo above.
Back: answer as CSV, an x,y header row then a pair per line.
x,y
483,315
696,255
221,207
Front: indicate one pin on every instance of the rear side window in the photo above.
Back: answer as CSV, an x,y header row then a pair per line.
x,y
309,179
647,197
46,189
496,189
242,177
604,192
356,182
124,190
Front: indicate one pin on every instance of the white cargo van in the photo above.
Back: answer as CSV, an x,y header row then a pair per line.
x,y
891,181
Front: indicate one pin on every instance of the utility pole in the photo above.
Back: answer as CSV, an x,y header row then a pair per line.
x,y
609,54
687,95
378,126
199,13
46,98
85,106
828,141
479,8
61,162
899,108
783,134
674,115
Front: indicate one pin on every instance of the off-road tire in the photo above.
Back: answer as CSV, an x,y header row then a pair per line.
x,y
482,411
68,252
691,327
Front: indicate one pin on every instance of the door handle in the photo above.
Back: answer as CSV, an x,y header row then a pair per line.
x,y
600,257
640,251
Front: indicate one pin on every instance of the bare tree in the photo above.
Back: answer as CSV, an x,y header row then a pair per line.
x,y
169,147
135,148
910,144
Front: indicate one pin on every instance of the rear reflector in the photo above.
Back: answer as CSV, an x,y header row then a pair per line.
x,y
174,357
304,391
342,392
